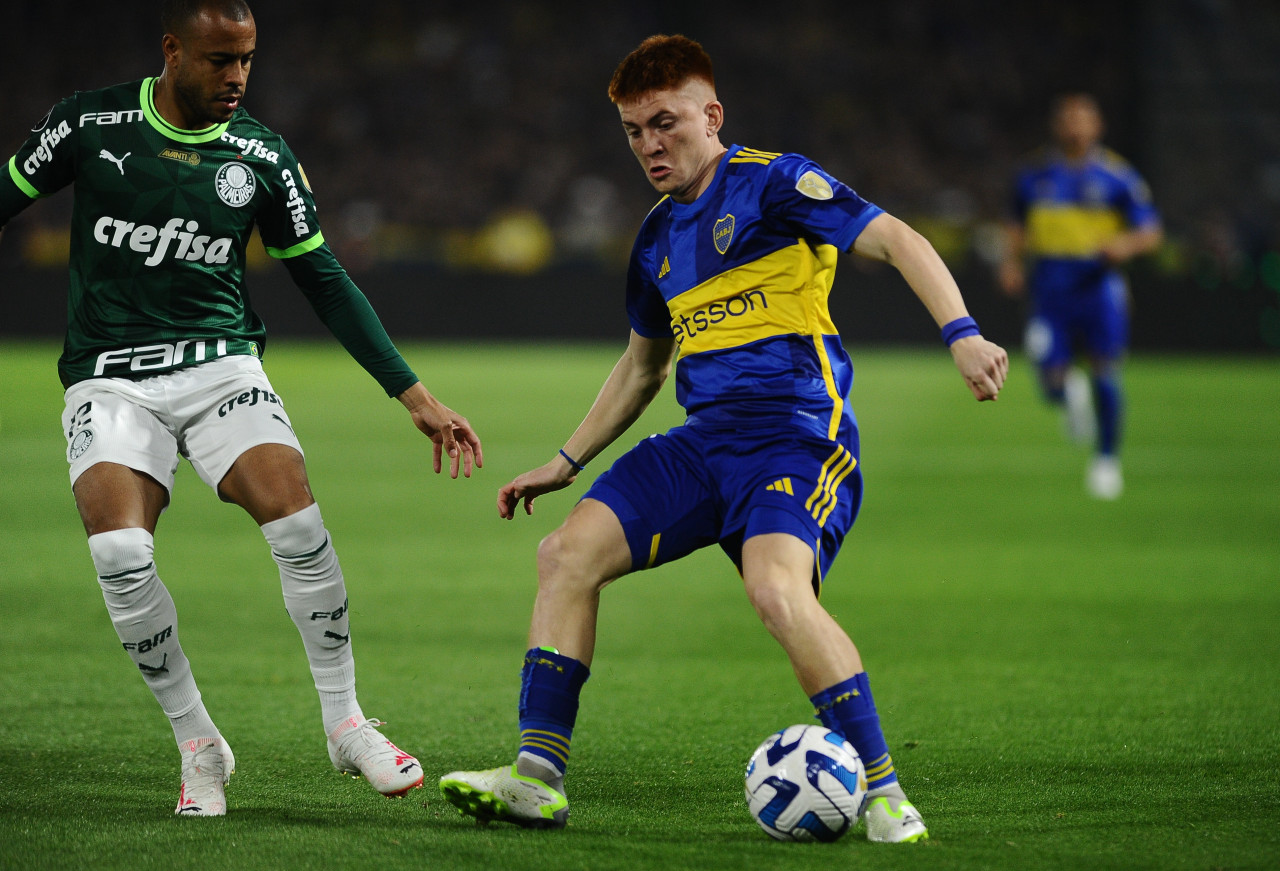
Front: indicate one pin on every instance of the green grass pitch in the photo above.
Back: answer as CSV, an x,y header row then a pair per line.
x,y
1065,684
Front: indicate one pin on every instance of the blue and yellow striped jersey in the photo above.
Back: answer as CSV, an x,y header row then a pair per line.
x,y
740,278
1070,210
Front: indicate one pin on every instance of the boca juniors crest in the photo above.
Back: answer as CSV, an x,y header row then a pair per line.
x,y
722,233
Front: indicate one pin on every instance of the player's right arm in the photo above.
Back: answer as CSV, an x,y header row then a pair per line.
x,y
635,380
984,365
43,165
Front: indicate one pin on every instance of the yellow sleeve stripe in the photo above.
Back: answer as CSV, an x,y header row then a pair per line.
x,y
751,155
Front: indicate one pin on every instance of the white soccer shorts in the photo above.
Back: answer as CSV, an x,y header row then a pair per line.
x,y
210,414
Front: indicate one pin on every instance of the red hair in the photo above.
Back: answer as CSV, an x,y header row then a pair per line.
x,y
659,63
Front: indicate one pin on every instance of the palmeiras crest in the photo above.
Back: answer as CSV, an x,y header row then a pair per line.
x,y
722,233
235,183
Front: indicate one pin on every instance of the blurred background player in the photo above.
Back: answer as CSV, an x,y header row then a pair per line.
x,y
161,359
730,272
1081,211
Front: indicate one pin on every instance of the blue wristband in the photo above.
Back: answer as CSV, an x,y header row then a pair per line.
x,y
960,328
577,467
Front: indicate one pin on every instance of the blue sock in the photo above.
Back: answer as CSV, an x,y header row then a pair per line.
x,y
1055,394
1110,405
549,689
847,708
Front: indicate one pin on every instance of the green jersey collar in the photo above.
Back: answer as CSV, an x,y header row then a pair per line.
x,y
191,137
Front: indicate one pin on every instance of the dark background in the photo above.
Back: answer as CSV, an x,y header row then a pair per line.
x,y
472,175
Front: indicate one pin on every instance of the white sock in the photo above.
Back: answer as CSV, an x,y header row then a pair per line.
x,y
893,790
532,765
316,598
146,622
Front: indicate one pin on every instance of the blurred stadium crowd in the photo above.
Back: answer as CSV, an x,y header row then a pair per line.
x,y
479,137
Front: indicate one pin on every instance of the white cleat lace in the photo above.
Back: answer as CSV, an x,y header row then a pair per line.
x,y
357,748
207,764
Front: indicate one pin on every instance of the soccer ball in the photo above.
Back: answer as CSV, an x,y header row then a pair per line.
x,y
805,783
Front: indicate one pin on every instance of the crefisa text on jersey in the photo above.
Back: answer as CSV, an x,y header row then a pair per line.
x,y
191,246
49,140
256,147
297,207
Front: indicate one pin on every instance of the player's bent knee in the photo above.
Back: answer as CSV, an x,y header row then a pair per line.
x,y
555,556
564,559
779,606
769,602
122,558
297,534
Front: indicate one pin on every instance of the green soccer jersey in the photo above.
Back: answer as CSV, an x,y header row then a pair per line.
x,y
160,222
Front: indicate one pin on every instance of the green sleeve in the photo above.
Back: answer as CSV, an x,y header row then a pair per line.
x,y
44,164
14,197
349,316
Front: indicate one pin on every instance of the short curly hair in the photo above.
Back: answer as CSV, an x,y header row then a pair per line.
x,y
658,63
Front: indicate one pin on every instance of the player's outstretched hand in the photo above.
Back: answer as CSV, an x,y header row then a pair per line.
x,y
532,484
450,433
983,364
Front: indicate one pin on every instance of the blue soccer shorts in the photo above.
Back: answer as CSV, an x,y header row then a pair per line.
x,y
698,485
1065,320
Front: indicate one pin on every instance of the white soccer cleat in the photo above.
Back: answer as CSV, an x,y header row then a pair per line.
x,y
1105,480
207,764
503,794
357,748
891,819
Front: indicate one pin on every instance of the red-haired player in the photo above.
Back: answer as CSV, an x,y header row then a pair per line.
x,y
730,273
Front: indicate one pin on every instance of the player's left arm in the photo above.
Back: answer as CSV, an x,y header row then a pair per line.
x,y
1133,243
1144,233
983,364
345,310
290,230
